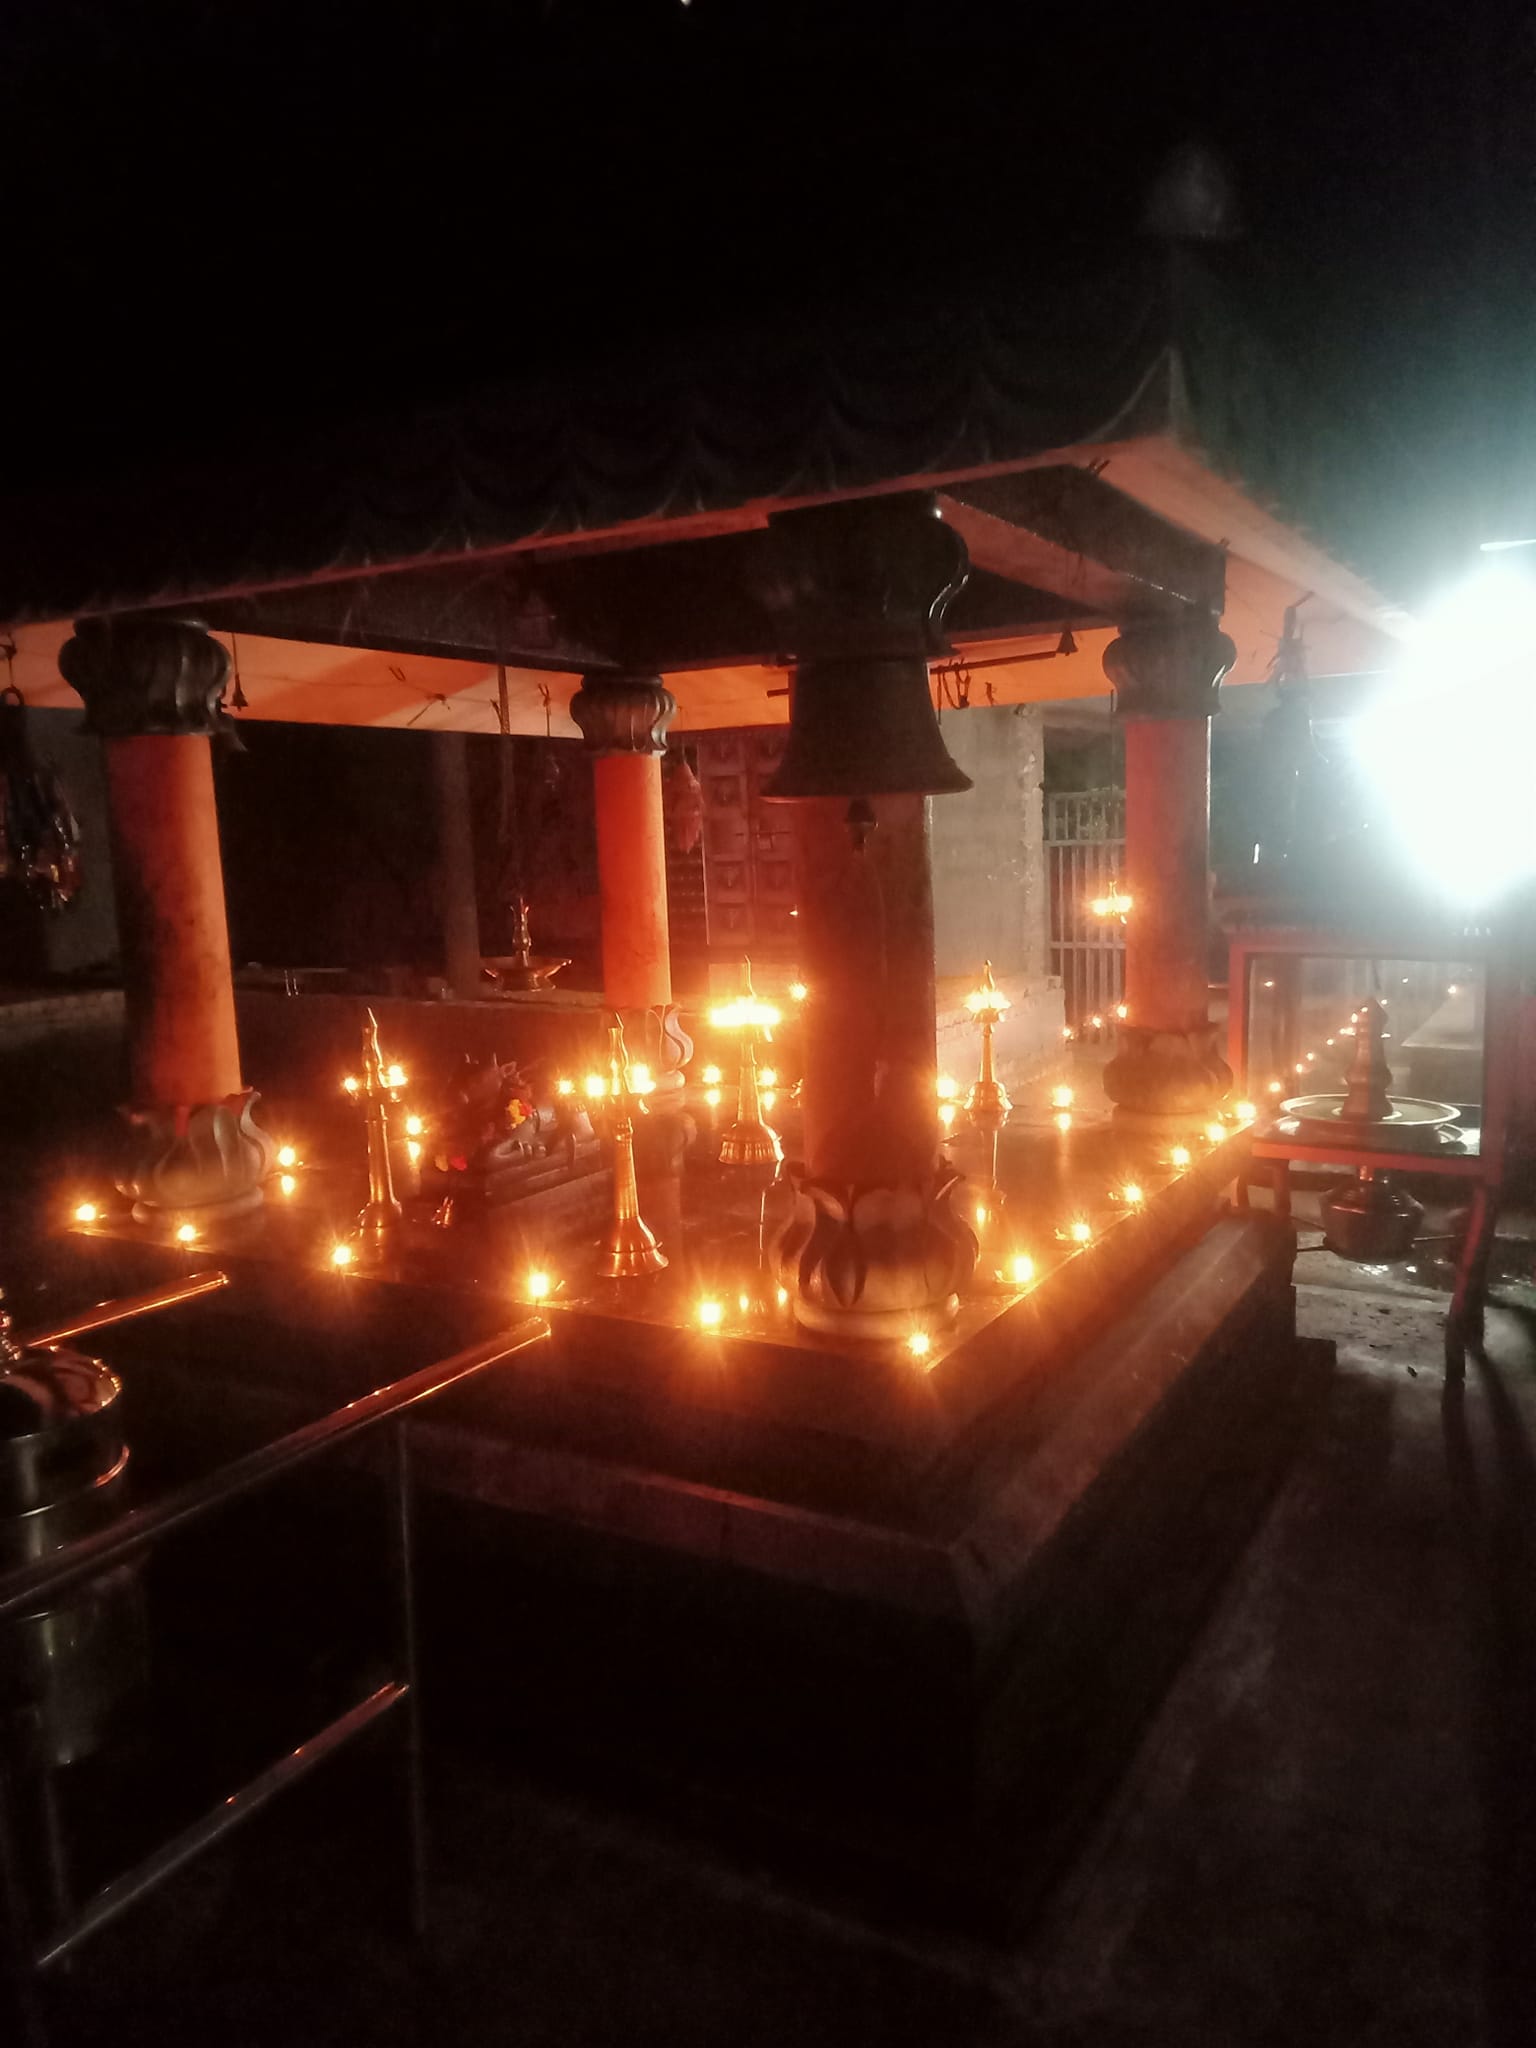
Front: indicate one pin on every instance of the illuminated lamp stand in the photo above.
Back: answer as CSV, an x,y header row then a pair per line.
x,y
987,1104
630,1249
380,1223
749,1141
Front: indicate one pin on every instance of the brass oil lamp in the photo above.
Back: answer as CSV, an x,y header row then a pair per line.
x,y
630,1248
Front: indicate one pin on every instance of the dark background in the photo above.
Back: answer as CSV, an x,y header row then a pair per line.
x,y
224,218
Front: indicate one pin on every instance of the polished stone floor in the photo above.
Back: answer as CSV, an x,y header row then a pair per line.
x,y
1328,1835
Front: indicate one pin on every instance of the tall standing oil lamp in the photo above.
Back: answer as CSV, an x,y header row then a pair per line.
x,y
378,1226
749,1141
630,1247
987,1105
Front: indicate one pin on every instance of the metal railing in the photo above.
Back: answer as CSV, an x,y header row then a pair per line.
x,y
1085,856
24,1591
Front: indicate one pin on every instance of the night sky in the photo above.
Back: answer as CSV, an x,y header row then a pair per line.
x,y
222,218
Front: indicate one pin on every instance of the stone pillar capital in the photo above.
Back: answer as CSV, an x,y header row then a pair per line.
x,y
1169,668
623,714
142,676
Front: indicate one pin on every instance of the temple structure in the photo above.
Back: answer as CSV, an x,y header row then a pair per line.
x,y
910,1369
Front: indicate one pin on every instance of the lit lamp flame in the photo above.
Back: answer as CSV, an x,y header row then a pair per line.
x,y
798,991
351,1084
1081,1232
919,1343
1115,904
186,1233
1245,1112
414,1127
747,1012
988,1000
565,1085
596,1087
1132,1195
287,1157
711,1077
1122,1011
1021,1269
946,1087
341,1256
1062,1098
768,1077
1180,1155
640,1080
86,1212
1215,1133
394,1075
710,1314
538,1286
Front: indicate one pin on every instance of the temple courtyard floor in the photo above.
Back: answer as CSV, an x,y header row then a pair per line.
x,y
1328,1833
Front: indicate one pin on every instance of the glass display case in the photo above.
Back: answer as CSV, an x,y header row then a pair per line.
x,y
1307,1014
1387,1059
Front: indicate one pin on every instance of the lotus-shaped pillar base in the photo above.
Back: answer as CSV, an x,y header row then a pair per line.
x,y
1167,1076
877,1261
207,1159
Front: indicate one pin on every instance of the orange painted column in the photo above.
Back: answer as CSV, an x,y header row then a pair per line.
x,y
632,875
865,936
1166,674
153,692
1167,857
182,1043
624,719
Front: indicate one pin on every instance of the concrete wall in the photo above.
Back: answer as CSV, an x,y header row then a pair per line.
x,y
989,880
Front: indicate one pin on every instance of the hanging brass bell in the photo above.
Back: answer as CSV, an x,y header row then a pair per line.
x,y
860,594
865,727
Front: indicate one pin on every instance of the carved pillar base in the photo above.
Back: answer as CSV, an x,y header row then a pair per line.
x,y
190,1164
656,1039
1161,1078
877,1262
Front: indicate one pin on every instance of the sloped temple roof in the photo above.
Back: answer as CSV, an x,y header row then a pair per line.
x,y
1168,454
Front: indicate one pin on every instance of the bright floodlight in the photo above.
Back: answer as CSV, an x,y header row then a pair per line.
x,y
1448,746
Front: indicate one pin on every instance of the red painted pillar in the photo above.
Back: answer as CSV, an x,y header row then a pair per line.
x,y
1167,821
865,929
182,1046
624,720
1167,674
632,874
876,1245
152,690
